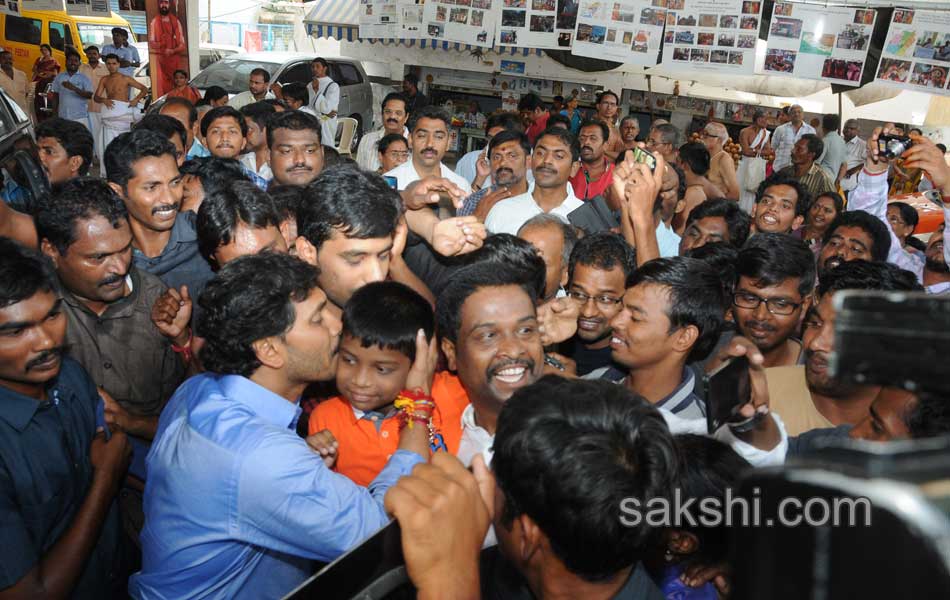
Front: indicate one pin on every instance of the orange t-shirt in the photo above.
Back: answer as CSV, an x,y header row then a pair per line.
x,y
363,450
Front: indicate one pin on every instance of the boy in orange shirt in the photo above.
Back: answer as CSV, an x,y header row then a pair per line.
x,y
357,431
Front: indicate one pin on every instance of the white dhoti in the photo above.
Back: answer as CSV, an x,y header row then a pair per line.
x,y
328,131
95,127
115,121
751,172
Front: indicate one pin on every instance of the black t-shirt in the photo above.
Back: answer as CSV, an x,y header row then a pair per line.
x,y
587,360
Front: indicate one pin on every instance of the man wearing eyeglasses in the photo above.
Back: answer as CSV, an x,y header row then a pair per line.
x,y
608,106
775,278
664,139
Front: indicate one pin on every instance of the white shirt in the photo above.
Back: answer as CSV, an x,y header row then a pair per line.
x,y
857,154
465,167
17,88
509,215
406,174
245,98
367,154
783,140
475,439
667,240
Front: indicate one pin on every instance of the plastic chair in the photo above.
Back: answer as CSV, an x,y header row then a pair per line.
x,y
347,128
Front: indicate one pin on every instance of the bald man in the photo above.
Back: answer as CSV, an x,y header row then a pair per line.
x,y
722,167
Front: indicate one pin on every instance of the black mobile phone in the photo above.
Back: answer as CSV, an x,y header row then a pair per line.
x,y
642,156
891,338
727,389
892,146
392,181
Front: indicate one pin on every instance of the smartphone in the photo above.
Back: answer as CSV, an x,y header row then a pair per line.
x,y
392,181
642,156
727,389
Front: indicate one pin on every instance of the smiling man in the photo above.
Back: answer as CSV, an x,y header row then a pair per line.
x,y
224,131
65,149
428,141
394,121
780,205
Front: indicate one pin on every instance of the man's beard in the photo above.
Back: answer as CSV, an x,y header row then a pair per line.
x,y
936,266
163,10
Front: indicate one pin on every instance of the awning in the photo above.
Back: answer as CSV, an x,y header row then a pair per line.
x,y
334,18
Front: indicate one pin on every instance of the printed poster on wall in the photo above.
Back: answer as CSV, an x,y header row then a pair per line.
x,y
712,35
385,19
465,21
167,43
537,23
627,32
829,43
916,53
88,8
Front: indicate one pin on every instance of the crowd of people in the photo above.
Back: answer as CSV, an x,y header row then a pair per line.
x,y
237,353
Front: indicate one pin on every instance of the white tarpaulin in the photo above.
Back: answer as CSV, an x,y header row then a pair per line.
x,y
629,32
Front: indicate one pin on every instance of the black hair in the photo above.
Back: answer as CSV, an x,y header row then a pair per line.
x,y
120,31
566,137
722,258
878,232
88,49
24,272
228,206
696,156
510,121
814,144
603,251
470,279
71,52
388,314
530,102
695,298
130,147
294,120
262,72
323,62
357,203
430,112
78,199
917,129
509,252
865,275
510,135
398,96
259,112
600,96
669,133
275,103
390,138
251,298
215,93
928,417
908,213
568,235
182,71
296,91
287,199
559,98
680,181
836,199
770,258
738,222
412,79
804,200
213,172
942,148
111,56
74,137
831,122
556,119
221,112
568,453
604,130
165,126
185,102
708,468
331,157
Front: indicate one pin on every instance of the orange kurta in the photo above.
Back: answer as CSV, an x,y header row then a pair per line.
x,y
363,450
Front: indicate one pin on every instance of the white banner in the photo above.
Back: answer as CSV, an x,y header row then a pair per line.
x,y
400,19
464,21
537,23
712,35
917,51
627,32
829,43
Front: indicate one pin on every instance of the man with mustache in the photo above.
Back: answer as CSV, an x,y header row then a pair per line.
x,y
853,235
806,397
780,205
61,474
629,131
428,141
475,166
141,168
787,135
84,228
509,155
608,106
65,150
775,280
296,152
394,121
553,162
871,195
595,174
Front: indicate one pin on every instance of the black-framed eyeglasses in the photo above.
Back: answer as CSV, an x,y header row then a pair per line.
x,y
776,306
604,301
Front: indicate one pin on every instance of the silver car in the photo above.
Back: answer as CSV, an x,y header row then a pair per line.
x,y
356,94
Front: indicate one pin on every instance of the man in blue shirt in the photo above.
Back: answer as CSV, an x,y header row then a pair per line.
x,y
236,504
128,54
58,476
73,91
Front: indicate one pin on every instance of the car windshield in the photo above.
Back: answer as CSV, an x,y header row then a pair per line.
x,y
231,74
96,35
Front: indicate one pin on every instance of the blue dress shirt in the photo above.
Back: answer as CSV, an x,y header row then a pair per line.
x,y
237,505
127,52
71,105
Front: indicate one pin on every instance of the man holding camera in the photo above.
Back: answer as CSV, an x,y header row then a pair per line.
x,y
870,195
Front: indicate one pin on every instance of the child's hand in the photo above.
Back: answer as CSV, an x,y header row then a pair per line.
x,y
423,367
325,445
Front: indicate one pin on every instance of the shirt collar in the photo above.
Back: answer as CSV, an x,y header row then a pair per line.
x,y
17,409
120,308
682,395
938,288
262,402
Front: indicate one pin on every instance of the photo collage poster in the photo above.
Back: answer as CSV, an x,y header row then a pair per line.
x,y
627,31
537,23
469,22
712,35
916,52
828,43
387,19
88,8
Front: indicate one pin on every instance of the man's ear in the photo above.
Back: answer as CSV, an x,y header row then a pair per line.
x,y
75,164
306,251
269,353
685,338
563,282
448,348
797,222
50,251
575,167
532,539
288,231
117,189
